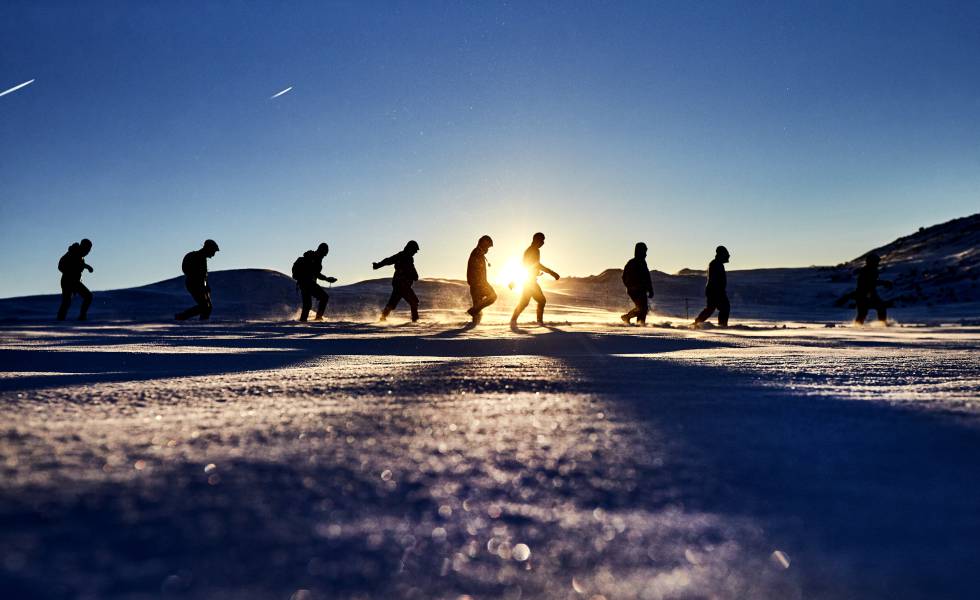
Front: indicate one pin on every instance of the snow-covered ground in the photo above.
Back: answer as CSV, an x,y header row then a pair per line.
x,y
583,459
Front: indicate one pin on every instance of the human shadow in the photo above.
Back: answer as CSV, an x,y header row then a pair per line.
x,y
868,499
214,350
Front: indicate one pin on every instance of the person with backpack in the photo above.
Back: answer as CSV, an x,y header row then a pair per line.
x,y
476,276
639,286
307,269
195,268
402,281
71,265
531,289
715,291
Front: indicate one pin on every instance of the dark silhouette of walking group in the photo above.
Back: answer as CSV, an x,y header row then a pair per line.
x,y
307,271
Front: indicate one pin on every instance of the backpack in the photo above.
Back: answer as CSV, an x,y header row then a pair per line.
x,y
300,269
185,265
63,262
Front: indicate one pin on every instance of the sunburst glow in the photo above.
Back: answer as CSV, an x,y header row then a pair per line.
x,y
512,274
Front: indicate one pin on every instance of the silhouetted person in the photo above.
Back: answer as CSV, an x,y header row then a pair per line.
x,y
866,294
71,266
402,281
481,291
195,267
715,291
639,286
532,263
306,271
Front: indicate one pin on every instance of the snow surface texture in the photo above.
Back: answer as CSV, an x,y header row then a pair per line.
x,y
577,460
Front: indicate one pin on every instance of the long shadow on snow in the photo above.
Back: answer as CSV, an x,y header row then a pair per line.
x,y
273,347
869,500
874,500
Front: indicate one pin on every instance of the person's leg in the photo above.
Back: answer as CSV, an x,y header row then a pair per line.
x,y
194,310
322,299
204,303
392,303
66,292
413,302
476,294
724,308
487,297
86,300
522,304
304,291
637,305
642,308
705,314
862,311
881,308
538,296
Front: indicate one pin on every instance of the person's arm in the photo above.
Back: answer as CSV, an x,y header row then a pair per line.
x,y
321,276
384,263
472,267
649,281
85,265
330,279
545,269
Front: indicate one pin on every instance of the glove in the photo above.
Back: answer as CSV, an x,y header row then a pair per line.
x,y
557,276
331,280
90,269
374,266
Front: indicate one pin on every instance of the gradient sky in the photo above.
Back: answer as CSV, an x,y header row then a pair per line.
x,y
794,133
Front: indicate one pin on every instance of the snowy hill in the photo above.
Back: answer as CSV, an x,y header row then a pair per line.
x,y
240,293
935,270
237,294
938,264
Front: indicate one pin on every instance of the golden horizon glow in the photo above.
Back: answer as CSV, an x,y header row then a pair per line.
x,y
511,274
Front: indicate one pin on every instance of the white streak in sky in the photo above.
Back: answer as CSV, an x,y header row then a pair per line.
x,y
26,83
277,95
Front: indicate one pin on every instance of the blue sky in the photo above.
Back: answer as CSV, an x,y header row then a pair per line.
x,y
794,133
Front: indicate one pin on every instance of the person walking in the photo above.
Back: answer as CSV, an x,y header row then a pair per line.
x,y
306,271
481,291
71,265
639,285
866,296
716,290
402,281
195,268
531,289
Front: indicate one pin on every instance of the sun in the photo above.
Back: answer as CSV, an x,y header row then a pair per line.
x,y
512,274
